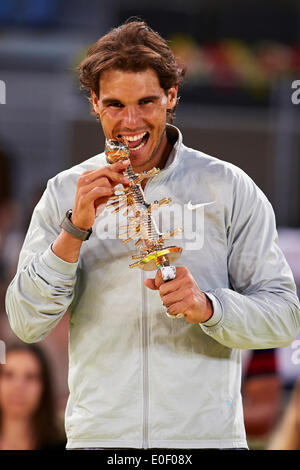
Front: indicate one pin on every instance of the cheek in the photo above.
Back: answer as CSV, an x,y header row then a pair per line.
x,y
160,122
108,121
157,117
108,114
4,391
35,392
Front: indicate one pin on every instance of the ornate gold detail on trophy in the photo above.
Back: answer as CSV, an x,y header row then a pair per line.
x,y
141,224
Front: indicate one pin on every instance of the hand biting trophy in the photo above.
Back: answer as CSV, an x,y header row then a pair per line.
x,y
153,254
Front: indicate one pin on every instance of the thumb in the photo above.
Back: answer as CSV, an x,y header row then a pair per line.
x,y
150,283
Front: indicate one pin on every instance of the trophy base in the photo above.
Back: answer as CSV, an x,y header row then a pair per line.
x,y
152,261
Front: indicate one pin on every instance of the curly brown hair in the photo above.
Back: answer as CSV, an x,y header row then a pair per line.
x,y
135,47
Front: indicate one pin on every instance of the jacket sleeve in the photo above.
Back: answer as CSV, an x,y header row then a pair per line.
x,y
43,286
261,308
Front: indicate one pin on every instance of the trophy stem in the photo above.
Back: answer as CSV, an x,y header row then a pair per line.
x,y
153,254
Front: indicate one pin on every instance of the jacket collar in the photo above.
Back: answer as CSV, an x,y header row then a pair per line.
x,y
175,137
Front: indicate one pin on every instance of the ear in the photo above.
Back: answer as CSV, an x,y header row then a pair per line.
x,y
172,97
94,101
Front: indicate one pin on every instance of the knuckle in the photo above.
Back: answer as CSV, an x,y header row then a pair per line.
x,y
80,197
190,290
109,190
189,283
162,289
98,190
81,180
105,171
105,181
112,174
119,164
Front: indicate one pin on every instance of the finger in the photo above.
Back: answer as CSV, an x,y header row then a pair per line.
x,y
158,279
97,193
182,271
112,176
119,166
171,286
174,297
102,182
178,307
150,284
114,172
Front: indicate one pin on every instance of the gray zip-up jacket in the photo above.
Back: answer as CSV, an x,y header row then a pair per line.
x,y
138,378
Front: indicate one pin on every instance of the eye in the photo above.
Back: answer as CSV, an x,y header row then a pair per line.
x,y
146,101
32,377
115,104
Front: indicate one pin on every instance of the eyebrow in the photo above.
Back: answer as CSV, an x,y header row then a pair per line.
x,y
116,100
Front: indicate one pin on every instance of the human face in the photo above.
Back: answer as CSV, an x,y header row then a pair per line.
x,y
20,385
133,105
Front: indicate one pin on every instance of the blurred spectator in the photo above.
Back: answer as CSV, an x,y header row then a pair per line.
x,y
27,408
288,362
55,347
287,434
11,239
269,391
11,227
262,395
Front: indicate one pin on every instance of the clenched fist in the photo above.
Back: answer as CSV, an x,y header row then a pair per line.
x,y
182,295
93,189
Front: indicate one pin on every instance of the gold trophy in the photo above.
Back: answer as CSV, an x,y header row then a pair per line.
x,y
141,224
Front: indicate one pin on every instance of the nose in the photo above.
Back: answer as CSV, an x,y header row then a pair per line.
x,y
130,117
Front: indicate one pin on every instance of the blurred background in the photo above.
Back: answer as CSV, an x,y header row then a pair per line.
x,y
242,60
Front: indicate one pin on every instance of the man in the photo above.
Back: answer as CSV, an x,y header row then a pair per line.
x,y
138,377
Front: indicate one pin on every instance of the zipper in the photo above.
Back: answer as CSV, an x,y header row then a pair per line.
x,y
145,347
145,350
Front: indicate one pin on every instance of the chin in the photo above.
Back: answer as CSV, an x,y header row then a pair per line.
x,y
138,159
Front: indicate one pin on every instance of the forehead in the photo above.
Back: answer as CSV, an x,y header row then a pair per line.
x,y
120,83
22,361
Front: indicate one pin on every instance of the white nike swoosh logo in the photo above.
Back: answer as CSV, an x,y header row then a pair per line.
x,y
192,207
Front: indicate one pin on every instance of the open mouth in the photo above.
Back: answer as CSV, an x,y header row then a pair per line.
x,y
138,141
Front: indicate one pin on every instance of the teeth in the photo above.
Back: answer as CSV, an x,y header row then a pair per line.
x,y
138,147
135,137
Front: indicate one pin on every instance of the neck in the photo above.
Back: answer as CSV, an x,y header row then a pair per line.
x,y
16,434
